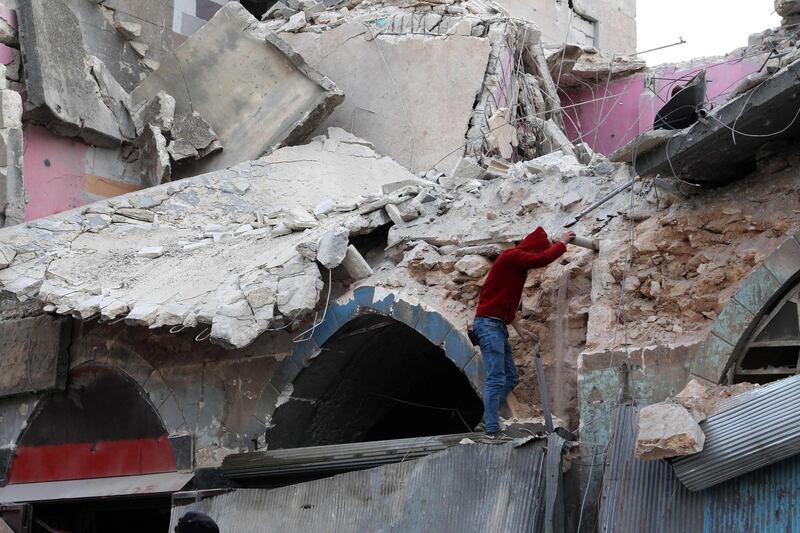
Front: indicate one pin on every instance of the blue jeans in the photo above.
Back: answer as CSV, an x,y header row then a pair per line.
x,y
501,372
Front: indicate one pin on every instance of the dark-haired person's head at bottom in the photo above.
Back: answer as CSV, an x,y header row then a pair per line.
x,y
194,522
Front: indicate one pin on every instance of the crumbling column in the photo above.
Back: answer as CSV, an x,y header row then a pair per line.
x,y
12,192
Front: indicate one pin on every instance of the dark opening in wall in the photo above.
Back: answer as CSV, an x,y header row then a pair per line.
x,y
375,379
257,7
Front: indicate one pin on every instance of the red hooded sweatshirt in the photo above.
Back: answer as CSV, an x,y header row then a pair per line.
x,y
502,290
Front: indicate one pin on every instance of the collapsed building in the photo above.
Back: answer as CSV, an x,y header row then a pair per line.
x,y
243,244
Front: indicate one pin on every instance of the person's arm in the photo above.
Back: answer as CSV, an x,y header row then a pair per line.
x,y
530,260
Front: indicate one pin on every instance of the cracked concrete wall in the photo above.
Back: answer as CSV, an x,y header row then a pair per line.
x,y
609,25
222,398
410,94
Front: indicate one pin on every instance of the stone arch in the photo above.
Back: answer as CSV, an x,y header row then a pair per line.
x,y
98,441
418,316
127,361
760,290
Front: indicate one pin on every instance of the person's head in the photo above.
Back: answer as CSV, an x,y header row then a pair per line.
x,y
194,522
535,242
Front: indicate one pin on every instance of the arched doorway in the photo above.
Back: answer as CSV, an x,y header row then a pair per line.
x,y
772,349
375,378
101,429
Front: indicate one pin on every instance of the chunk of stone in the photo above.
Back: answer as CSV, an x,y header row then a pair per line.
x,y
142,314
139,214
8,34
10,109
193,136
151,252
299,294
332,247
251,72
325,207
114,96
7,255
295,22
394,214
355,265
503,135
786,8
474,266
299,219
159,112
140,48
468,168
62,94
667,430
154,164
129,30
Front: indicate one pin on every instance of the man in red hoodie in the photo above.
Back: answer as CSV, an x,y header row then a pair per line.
x,y
497,308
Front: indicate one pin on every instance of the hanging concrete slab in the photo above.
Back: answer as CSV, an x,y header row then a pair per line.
x,y
255,92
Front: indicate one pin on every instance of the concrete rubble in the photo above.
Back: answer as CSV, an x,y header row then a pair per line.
x,y
250,179
667,430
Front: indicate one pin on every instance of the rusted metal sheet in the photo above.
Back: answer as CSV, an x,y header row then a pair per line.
x,y
80,489
472,487
757,428
647,496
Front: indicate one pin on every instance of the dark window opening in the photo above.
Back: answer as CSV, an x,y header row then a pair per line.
x,y
111,516
773,350
257,8
375,379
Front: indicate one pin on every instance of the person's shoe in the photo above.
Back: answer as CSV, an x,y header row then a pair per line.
x,y
481,427
498,435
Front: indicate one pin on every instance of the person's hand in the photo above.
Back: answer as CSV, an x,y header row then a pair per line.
x,y
567,236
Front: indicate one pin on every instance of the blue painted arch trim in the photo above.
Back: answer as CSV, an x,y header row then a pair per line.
x,y
729,332
377,300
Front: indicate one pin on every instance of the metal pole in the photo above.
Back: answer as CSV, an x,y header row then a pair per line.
x,y
548,419
601,201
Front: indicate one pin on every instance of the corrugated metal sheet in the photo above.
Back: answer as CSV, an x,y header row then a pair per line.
x,y
79,489
337,457
646,496
759,429
465,488
642,496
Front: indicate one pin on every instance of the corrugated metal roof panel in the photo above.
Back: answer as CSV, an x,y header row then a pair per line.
x,y
757,430
646,496
466,488
78,489
642,495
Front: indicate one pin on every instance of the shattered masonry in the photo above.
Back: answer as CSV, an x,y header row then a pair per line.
x,y
268,224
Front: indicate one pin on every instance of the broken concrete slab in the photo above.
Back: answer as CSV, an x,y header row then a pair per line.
x,y
667,430
710,152
214,231
254,90
641,144
474,266
61,92
411,95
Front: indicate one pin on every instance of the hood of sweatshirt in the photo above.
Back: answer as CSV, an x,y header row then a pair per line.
x,y
535,242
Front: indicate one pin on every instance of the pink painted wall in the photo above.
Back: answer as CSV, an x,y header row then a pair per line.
x,y
607,124
62,173
53,171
